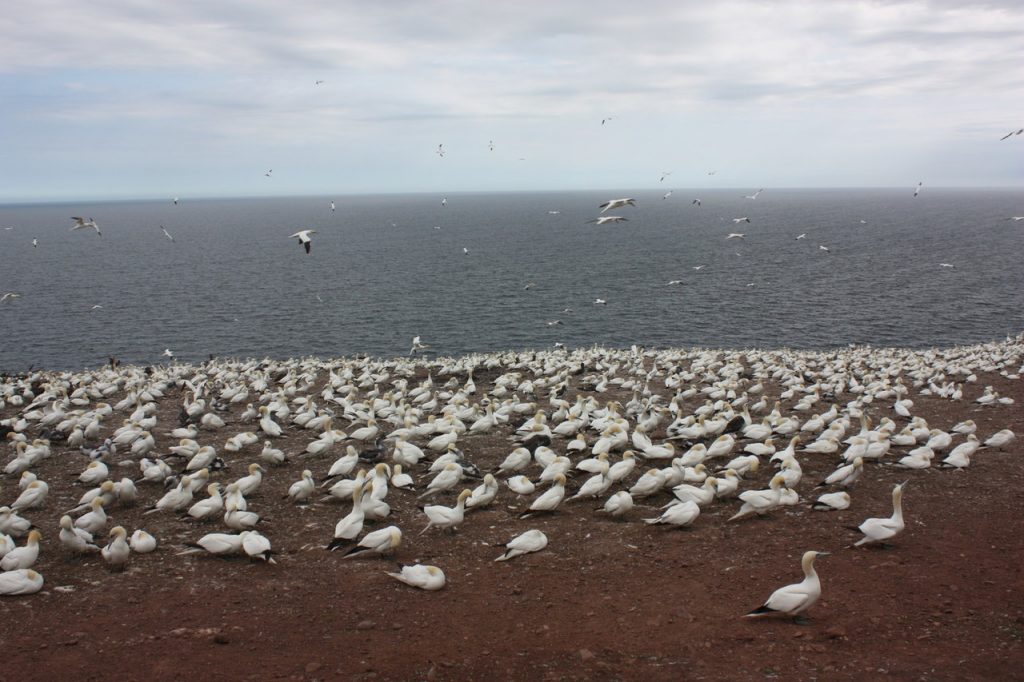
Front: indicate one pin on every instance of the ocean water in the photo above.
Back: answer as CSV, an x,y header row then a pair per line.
x,y
233,284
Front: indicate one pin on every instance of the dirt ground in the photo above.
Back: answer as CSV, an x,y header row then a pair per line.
x,y
605,600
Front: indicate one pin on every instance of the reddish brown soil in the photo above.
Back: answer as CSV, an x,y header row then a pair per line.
x,y
605,600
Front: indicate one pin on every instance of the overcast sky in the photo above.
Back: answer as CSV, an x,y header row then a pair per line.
x,y
158,98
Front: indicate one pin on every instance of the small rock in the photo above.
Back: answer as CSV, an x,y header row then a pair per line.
x,y
220,638
365,625
586,655
835,633
312,667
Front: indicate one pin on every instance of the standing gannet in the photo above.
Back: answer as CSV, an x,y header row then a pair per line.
x,y
20,581
24,556
596,485
379,542
421,576
440,516
550,500
793,600
880,530
117,551
1000,439
212,506
447,479
142,542
530,541
678,514
351,525
247,485
303,237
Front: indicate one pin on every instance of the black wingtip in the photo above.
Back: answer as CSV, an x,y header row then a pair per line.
x,y
761,611
308,244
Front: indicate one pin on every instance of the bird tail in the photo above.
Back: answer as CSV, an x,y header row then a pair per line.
x,y
506,556
338,543
760,611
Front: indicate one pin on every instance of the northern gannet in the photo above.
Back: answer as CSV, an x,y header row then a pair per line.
x,y
609,219
117,551
13,524
350,525
832,502
421,576
754,195
793,600
521,485
256,546
300,491
166,233
1000,439
379,542
75,539
960,456
530,541
550,500
678,514
142,542
440,516
879,530
303,237
81,223
218,544
24,556
612,204
760,501
846,475
484,493
20,581
32,497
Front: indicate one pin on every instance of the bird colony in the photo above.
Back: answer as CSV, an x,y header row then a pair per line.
x,y
384,459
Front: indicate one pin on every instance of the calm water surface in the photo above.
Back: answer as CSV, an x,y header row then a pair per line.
x,y
232,283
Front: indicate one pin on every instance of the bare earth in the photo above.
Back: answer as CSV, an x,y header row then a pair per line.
x,y
606,600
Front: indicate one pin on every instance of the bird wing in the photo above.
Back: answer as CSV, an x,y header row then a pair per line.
x,y
787,599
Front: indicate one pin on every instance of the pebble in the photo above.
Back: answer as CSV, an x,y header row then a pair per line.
x,y
365,625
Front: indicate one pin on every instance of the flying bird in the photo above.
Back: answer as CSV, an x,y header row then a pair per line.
x,y
946,265
616,203
417,345
303,237
444,201
802,235
736,235
824,248
440,150
332,207
166,233
269,172
317,82
83,223
695,202
741,220
465,250
175,200
754,195
9,296
667,194
605,120
664,174
917,190
600,301
35,243
609,219
490,145
1011,134
167,353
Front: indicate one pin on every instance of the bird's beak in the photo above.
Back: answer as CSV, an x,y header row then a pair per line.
x,y
904,483
824,553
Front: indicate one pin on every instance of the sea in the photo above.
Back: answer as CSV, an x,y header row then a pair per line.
x,y
507,271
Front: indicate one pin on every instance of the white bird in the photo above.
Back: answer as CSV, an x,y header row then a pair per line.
x,y
21,581
256,546
999,439
81,223
218,544
960,456
802,235
619,504
75,539
530,541
447,479
484,493
521,485
793,600
736,235
917,190
440,516
824,248
678,514
754,195
550,500
142,542
600,301
612,204
166,233
303,237
24,556
760,501
832,502
879,529
302,489
421,576
379,542
608,219
744,219
846,475
117,551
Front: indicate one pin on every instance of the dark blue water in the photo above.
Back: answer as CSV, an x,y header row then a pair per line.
x,y
233,284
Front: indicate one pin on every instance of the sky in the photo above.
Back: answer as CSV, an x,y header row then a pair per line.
x,y
111,99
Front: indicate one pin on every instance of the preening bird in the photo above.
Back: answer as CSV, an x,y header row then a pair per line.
x,y
530,541
421,576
